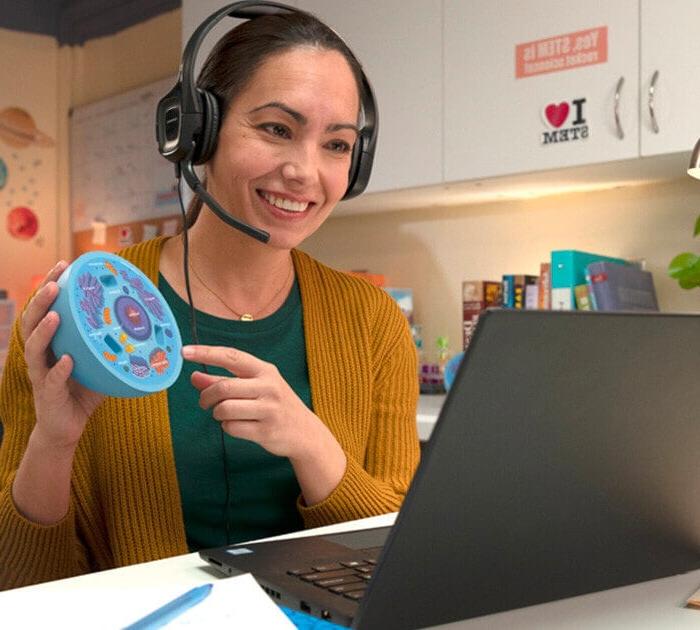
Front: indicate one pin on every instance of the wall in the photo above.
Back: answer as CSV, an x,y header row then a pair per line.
x,y
433,250
29,76
47,80
133,57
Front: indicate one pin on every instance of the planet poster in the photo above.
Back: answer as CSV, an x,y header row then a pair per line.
x,y
20,172
18,130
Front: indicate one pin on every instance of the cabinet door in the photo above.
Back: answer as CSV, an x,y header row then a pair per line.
x,y
497,124
399,43
670,47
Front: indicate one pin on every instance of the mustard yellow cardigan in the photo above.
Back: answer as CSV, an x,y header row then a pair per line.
x,y
125,502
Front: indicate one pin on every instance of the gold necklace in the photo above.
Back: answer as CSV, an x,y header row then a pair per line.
x,y
244,317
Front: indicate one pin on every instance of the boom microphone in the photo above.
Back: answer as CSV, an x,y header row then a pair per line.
x,y
196,185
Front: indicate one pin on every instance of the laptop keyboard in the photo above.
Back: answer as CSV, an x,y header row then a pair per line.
x,y
347,577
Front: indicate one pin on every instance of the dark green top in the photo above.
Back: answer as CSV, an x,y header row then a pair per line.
x,y
263,488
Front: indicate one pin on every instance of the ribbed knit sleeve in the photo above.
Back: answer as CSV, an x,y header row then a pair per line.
x,y
29,552
125,504
363,373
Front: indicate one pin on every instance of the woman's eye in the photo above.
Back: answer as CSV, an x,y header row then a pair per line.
x,y
276,129
339,146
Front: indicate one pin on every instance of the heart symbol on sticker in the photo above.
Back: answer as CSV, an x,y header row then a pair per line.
x,y
556,115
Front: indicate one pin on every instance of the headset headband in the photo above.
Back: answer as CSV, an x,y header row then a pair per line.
x,y
247,10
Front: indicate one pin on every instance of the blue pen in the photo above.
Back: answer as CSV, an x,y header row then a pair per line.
x,y
172,609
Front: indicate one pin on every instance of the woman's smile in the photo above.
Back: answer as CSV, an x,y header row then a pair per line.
x,y
284,203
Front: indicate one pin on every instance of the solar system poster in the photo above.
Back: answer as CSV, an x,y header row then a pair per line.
x,y
19,173
28,155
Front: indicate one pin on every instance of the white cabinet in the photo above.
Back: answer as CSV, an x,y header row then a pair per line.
x,y
497,123
670,48
399,43
451,108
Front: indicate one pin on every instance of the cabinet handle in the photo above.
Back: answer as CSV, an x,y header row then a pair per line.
x,y
652,89
618,89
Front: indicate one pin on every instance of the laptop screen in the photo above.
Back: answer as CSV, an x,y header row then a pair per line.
x,y
564,462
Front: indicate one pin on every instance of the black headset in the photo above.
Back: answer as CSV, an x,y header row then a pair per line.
x,y
188,118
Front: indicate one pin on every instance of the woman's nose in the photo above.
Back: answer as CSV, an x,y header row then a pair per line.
x,y
301,166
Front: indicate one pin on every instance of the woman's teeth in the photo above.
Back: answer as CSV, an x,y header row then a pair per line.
x,y
285,204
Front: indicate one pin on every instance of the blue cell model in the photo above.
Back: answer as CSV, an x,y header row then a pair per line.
x,y
113,322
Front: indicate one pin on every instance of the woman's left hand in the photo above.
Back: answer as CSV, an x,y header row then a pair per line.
x,y
256,403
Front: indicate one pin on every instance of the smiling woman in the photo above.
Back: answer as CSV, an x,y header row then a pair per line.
x,y
296,404
283,155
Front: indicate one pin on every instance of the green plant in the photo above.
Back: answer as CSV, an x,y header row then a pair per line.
x,y
686,266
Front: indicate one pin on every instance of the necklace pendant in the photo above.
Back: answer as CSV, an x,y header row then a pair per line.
x,y
246,317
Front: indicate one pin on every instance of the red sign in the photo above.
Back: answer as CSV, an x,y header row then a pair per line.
x,y
562,52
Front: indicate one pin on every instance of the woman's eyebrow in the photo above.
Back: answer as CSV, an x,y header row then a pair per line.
x,y
298,116
301,119
339,126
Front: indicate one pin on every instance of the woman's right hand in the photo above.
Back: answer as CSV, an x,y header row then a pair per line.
x,y
62,405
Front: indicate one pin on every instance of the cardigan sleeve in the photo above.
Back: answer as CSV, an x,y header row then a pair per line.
x,y
30,552
376,480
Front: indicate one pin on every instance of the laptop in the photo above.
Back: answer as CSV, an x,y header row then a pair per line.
x,y
565,460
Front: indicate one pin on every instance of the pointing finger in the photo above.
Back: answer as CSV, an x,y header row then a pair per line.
x,y
235,361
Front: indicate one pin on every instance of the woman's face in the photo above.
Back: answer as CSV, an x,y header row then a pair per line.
x,y
284,148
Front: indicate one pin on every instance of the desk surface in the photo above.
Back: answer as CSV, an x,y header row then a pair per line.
x,y
658,604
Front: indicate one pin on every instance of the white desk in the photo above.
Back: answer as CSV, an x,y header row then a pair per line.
x,y
658,604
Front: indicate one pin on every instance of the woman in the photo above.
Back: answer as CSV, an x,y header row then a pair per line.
x,y
316,395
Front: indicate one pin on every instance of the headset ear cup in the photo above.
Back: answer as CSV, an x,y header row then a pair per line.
x,y
210,131
355,164
360,167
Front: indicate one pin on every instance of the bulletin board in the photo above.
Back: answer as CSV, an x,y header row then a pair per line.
x,y
122,189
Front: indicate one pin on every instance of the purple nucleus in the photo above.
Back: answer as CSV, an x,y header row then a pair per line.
x,y
152,303
132,317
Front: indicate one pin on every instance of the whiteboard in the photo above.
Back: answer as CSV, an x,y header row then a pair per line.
x,y
117,175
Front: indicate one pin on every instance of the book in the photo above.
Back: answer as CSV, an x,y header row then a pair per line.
x,y
544,292
622,287
519,291
477,296
568,269
530,291
583,301
508,290
515,290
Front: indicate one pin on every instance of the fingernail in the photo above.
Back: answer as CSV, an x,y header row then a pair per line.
x,y
187,351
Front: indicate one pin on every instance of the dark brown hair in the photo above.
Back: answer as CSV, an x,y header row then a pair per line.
x,y
237,55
